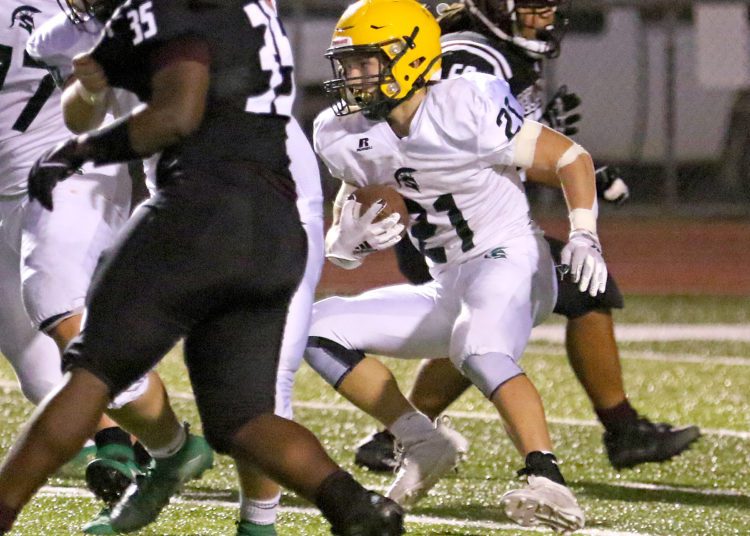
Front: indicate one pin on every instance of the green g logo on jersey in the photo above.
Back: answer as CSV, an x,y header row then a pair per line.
x,y
497,253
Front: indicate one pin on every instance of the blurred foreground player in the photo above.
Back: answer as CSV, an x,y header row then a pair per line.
x,y
188,265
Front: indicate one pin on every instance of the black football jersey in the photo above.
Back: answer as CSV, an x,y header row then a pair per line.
x,y
251,88
472,51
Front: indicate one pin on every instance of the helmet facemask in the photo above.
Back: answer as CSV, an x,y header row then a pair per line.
x,y
363,93
536,26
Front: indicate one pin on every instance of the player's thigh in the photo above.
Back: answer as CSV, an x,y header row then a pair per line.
x,y
404,321
298,319
502,298
33,355
232,360
60,248
16,329
133,314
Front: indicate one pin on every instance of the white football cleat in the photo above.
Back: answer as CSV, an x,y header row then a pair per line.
x,y
424,461
543,502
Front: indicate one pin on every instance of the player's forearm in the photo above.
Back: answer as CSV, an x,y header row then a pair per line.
x,y
555,160
578,182
82,111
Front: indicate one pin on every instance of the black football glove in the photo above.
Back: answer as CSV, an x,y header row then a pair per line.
x,y
557,115
610,186
55,165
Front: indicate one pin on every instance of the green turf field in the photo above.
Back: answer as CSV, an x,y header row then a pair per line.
x,y
704,492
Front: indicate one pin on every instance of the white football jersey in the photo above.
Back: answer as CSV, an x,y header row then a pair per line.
x,y
30,119
454,168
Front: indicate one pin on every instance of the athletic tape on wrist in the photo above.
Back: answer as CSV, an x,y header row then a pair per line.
x,y
582,219
569,156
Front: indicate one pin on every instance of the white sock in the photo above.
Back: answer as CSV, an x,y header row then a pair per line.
x,y
410,426
172,447
259,512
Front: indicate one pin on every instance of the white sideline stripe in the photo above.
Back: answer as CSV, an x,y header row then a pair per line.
x,y
471,415
58,491
480,416
657,332
650,355
693,491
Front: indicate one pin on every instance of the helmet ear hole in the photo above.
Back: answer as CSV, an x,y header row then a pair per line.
x,y
416,63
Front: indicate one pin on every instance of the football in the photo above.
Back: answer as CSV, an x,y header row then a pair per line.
x,y
367,195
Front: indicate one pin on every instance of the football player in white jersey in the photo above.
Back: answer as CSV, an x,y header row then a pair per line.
x,y
452,149
47,258
30,119
509,39
86,100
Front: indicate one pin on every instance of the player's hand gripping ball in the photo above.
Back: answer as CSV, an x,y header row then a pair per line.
x,y
393,202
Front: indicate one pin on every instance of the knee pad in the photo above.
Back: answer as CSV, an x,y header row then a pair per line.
x,y
331,360
51,298
490,371
37,367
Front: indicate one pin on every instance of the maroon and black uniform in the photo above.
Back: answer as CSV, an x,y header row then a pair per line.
x,y
215,256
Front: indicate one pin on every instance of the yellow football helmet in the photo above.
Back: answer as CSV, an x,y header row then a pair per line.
x,y
402,35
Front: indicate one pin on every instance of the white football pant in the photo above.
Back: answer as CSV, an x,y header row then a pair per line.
x,y
483,307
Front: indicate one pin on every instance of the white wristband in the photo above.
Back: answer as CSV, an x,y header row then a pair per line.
x,y
90,97
582,219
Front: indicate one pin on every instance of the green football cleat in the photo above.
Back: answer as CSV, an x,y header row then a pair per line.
x,y
247,528
76,467
142,502
113,470
101,524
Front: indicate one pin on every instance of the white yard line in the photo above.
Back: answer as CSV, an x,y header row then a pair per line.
x,y
657,332
489,416
57,491
650,355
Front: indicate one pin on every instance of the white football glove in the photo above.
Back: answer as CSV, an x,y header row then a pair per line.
x,y
583,254
357,235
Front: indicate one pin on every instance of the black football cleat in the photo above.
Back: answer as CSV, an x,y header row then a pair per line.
x,y
112,471
645,441
377,516
377,453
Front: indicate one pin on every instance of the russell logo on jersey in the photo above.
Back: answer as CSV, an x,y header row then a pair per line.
x,y
364,145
